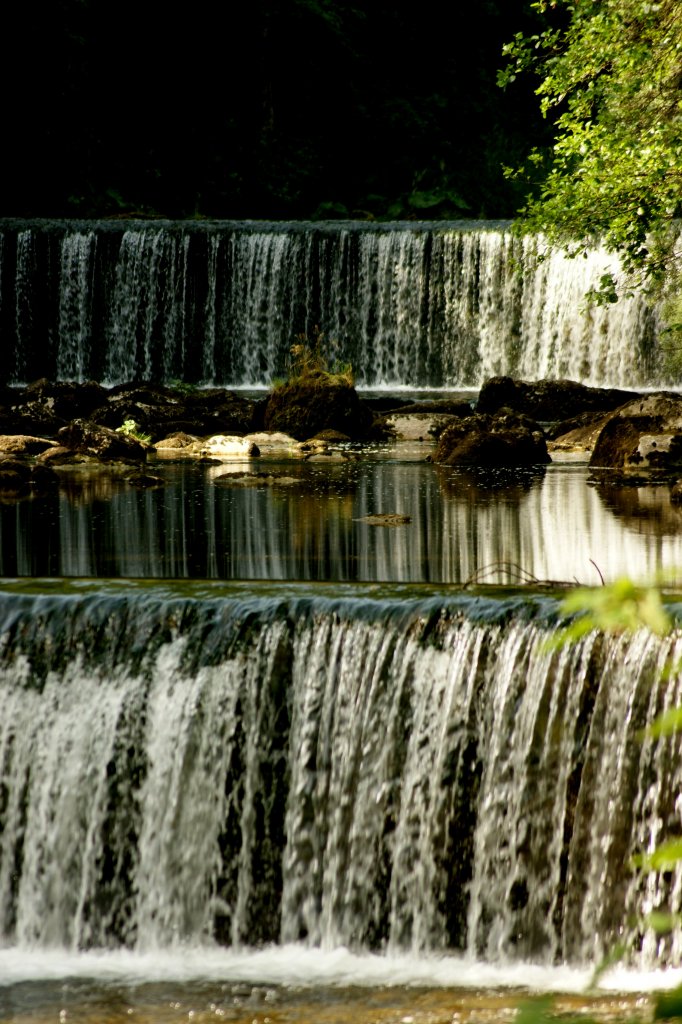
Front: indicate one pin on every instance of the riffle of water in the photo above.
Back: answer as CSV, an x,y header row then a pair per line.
x,y
382,774
418,304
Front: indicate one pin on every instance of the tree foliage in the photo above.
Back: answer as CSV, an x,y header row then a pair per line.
x,y
611,80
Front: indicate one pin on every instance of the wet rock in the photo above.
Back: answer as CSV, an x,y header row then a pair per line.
x,y
549,400
24,444
58,455
260,479
578,434
386,519
331,435
176,442
229,447
160,411
43,406
91,439
418,426
304,408
144,481
642,437
505,439
275,444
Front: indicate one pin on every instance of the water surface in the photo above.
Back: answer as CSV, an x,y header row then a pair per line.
x,y
268,520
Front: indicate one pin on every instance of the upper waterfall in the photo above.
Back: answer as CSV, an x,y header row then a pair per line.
x,y
408,304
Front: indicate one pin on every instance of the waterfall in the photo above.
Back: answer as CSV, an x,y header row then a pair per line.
x,y
377,773
419,305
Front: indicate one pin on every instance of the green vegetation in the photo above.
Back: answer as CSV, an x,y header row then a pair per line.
x,y
311,364
131,429
610,77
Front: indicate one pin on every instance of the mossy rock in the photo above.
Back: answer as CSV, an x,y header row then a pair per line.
x,y
305,407
505,439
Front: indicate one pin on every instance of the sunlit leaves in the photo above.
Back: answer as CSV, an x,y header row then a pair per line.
x,y
621,607
611,82
663,858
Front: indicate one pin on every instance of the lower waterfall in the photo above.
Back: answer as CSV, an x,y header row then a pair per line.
x,y
368,771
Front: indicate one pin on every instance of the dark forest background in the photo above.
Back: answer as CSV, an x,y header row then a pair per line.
x,y
264,109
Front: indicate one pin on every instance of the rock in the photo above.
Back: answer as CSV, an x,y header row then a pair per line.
x,y
417,426
24,444
57,456
222,447
159,410
642,437
257,480
331,435
88,438
303,408
386,519
549,400
505,439
275,443
42,407
176,442
581,437
676,493
144,480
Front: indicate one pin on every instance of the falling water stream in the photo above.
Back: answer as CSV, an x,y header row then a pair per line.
x,y
423,305
416,775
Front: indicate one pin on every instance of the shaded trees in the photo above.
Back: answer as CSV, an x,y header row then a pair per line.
x,y
278,108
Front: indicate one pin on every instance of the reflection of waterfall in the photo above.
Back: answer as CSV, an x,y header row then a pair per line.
x,y
548,522
422,305
377,774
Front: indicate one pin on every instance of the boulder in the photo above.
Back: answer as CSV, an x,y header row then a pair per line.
x,y
88,438
505,439
642,437
42,407
176,442
23,444
417,426
159,410
549,400
221,446
304,407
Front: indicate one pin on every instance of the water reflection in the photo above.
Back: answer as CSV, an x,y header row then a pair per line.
x,y
304,521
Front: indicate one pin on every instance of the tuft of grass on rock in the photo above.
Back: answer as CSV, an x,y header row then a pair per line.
x,y
309,365
131,429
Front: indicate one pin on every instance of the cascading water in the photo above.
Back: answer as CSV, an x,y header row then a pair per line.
x,y
419,305
370,772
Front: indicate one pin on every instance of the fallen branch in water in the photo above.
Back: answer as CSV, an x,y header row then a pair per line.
x,y
517,574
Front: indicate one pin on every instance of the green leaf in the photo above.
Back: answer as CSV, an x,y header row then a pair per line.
x,y
667,724
662,922
663,858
